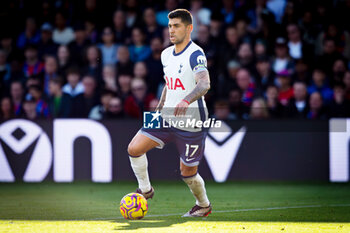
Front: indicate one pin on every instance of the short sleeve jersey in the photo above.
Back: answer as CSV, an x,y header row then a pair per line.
x,y
179,74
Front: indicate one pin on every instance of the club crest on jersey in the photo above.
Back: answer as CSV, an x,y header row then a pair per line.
x,y
174,83
180,68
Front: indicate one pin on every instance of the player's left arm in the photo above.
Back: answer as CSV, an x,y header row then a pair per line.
x,y
203,85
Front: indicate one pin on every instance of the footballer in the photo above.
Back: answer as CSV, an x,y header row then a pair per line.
x,y
187,81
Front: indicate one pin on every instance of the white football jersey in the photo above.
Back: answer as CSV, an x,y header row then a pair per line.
x,y
179,74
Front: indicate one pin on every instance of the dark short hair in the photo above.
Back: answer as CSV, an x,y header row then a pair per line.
x,y
57,80
183,14
73,70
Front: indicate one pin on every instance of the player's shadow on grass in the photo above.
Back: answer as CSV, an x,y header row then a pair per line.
x,y
151,223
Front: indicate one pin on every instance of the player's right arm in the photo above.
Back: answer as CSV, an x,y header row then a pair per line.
x,y
162,100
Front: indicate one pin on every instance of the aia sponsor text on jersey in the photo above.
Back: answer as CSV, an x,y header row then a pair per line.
x,y
174,83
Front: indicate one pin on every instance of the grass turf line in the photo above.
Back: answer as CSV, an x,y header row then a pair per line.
x,y
43,207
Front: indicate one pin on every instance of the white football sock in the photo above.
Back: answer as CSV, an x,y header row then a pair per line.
x,y
197,187
139,166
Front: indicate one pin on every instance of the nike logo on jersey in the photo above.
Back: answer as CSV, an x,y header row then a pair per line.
x,y
173,84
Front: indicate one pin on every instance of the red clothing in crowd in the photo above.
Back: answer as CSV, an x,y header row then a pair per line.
x,y
285,96
135,109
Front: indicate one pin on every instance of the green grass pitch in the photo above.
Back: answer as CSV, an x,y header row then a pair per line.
x,y
237,207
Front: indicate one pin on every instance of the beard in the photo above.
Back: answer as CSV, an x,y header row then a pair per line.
x,y
178,40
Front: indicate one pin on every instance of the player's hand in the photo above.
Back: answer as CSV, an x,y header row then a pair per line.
x,y
181,108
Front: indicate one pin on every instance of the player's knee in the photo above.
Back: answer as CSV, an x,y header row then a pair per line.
x,y
133,151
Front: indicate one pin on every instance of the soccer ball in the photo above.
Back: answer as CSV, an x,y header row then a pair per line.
x,y
133,206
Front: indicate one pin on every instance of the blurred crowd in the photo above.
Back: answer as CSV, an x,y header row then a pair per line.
x,y
101,59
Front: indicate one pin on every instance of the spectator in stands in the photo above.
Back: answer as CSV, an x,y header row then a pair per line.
x,y
162,16
290,14
339,107
29,107
36,92
139,51
228,11
242,30
226,83
64,60
237,107
282,60
269,28
285,89
121,32
78,46
46,46
124,83
50,71
7,44
201,16
62,34
246,85
297,48
139,100
210,49
275,108
302,71
5,73
140,70
340,37
88,99
151,28
317,110
109,78
339,68
30,36
59,102
132,13
91,31
216,27
229,49
93,64
154,66
298,106
33,80
277,8
7,111
320,84
108,47
260,49
114,109
166,38
245,56
259,110
263,74
98,112
32,65
17,96
74,87
222,111
308,26
255,16
124,64
328,56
